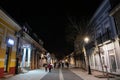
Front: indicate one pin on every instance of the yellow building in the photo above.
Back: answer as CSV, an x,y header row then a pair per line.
x,y
8,27
18,50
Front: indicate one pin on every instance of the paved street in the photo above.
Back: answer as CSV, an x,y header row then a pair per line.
x,y
55,74
61,74
68,75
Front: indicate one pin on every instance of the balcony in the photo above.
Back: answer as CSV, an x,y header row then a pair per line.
x,y
104,37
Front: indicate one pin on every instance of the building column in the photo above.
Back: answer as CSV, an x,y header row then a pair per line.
x,y
23,58
29,56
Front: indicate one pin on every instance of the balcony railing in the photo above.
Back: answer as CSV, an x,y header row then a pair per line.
x,y
90,45
104,37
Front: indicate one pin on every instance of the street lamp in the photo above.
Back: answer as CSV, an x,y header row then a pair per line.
x,y
86,40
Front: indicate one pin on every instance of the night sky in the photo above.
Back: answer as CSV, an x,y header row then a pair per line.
x,y
48,19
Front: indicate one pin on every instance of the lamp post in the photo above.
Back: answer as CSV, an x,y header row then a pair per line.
x,y
86,40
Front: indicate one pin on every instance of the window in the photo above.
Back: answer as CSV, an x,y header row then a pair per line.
x,y
112,61
106,26
98,32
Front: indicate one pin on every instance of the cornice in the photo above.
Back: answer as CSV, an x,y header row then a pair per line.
x,y
9,20
115,9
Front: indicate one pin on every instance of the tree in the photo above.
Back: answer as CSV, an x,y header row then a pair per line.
x,y
75,33
76,30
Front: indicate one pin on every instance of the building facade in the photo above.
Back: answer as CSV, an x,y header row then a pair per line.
x,y
7,44
105,55
115,13
18,50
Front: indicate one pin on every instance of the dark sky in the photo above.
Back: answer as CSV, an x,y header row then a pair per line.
x,y
49,18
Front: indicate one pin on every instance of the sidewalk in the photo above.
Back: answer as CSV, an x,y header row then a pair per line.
x,y
40,73
30,75
85,76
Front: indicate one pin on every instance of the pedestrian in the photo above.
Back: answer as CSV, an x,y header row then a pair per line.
x,y
67,64
62,64
49,67
54,64
46,67
59,65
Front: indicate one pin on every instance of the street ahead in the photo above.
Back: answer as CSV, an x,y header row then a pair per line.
x,y
55,74
61,74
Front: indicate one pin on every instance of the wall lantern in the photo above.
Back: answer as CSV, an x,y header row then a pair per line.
x,y
10,42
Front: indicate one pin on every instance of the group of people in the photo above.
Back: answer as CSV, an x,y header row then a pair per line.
x,y
60,64
48,67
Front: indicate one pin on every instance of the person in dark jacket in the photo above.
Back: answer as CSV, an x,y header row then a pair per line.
x,y
45,65
49,67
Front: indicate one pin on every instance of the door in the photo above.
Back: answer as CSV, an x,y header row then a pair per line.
x,y
112,61
8,50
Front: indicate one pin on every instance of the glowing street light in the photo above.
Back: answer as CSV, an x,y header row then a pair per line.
x,y
86,40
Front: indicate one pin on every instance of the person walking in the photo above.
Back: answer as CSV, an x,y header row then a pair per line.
x,y
67,64
46,67
49,67
54,64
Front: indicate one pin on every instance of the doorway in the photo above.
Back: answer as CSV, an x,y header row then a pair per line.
x,y
112,61
7,56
